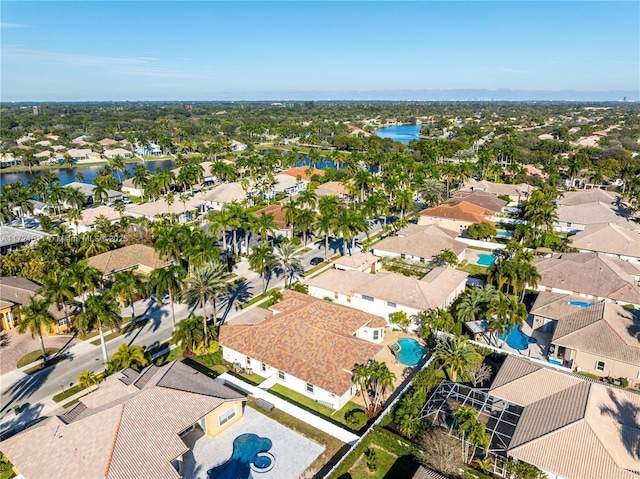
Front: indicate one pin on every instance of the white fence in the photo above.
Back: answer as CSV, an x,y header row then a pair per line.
x,y
481,244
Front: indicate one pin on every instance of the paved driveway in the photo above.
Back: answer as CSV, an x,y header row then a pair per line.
x,y
14,346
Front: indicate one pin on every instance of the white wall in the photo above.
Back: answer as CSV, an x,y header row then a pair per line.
x,y
327,398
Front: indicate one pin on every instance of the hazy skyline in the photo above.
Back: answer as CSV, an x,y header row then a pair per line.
x,y
76,51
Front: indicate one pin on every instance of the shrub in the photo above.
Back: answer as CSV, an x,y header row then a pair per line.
x,y
624,382
356,418
401,319
371,456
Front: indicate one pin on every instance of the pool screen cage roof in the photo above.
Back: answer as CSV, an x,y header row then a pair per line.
x,y
499,416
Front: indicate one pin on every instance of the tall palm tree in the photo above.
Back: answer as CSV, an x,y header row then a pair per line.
x,y
101,311
203,284
383,378
360,377
35,317
128,285
84,278
57,286
325,225
287,256
130,357
74,215
168,280
262,260
473,304
305,220
455,353
403,201
188,334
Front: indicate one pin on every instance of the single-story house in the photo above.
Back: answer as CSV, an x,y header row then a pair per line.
x,y
150,149
364,262
88,190
159,208
304,172
108,142
455,215
83,154
332,188
130,427
121,152
13,238
575,218
420,243
593,336
590,275
39,208
132,190
324,342
286,184
284,229
593,195
569,428
610,239
16,292
142,257
481,198
385,293
223,194
516,192
89,217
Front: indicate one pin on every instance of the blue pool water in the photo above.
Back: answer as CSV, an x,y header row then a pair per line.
x,y
505,234
249,454
485,259
516,339
411,351
580,304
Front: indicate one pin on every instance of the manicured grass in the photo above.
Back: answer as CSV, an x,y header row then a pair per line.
x,y
41,366
385,462
258,298
313,406
475,270
34,356
315,269
61,396
332,445
6,472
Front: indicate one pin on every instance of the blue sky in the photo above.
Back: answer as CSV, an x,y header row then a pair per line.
x,y
312,50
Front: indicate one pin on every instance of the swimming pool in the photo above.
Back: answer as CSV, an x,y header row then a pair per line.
x,y
249,454
505,234
581,304
485,259
516,339
411,351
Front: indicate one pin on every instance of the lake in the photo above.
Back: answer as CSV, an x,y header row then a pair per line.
x,y
68,175
403,134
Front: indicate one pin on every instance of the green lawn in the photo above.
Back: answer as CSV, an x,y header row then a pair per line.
x,y
475,270
34,356
61,396
309,404
6,472
327,459
385,462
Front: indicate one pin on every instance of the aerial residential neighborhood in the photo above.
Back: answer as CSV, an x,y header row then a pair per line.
x,y
328,240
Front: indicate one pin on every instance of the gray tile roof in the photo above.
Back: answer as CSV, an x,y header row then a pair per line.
x,y
608,238
421,241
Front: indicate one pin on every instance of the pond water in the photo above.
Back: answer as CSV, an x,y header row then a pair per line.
x,y
403,134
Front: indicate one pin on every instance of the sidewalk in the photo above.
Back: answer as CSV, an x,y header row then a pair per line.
x,y
291,409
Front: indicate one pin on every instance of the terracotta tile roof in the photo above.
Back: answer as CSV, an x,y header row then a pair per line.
x,y
421,241
127,257
136,431
608,238
462,211
18,291
482,199
430,292
319,349
591,273
301,171
570,427
278,213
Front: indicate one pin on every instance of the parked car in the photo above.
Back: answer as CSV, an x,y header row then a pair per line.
x,y
316,261
165,298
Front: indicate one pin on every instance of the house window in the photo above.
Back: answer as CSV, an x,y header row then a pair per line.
x,y
248,361
281,375
376,334
63,322
599,365
227,416
263,367
367,298
568,225
403,256
310,388
391,305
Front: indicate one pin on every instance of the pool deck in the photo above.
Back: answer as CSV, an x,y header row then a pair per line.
x,y
293,452
539,349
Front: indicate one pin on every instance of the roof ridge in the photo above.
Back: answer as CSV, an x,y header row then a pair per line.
x,y
113,443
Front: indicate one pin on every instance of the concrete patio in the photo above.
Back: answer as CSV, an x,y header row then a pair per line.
x,y
292,452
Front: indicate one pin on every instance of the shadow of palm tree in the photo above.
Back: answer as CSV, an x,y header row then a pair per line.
x,y
5,340
26,386
240,292
29,415
627,415
634,327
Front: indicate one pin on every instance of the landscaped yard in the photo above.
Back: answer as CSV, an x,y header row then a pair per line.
x,y
34,356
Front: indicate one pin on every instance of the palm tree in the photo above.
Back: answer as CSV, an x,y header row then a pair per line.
x,y
308,198
472,305
168,280
57,286
83,278
383,378
130,357
189,335
455,353
203,284
128,286
265,225
305,220
35,317
360,377
101,311
87,379
287,256
262,260
432,192
403,201
74,215
324,225
471,430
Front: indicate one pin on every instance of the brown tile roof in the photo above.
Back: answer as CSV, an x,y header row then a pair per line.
x,y
278,213
482,199
424,473
590,273
427,293
570,427
301,171
608,238
136,431
462,211
319,346
127,257
19,291
421,241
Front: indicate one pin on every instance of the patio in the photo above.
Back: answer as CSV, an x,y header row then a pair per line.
x,y
292,452
537,350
